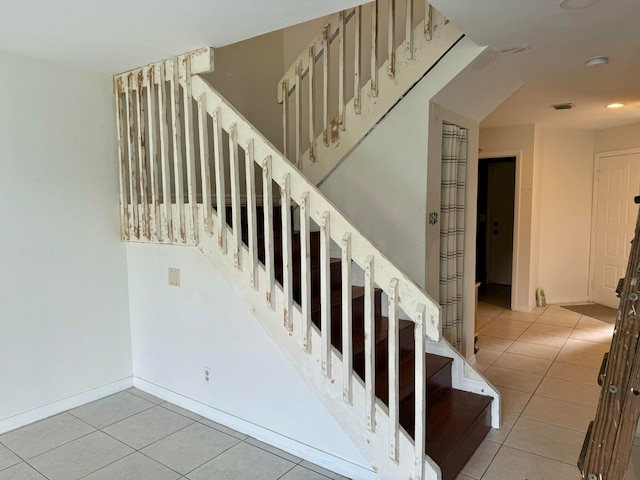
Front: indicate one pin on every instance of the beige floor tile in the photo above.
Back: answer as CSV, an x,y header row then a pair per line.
x,y
559,413
546,440
513,464
489,310
508,333
586,346
550,330
505,377
463,477
587,323
480,460
513,401
493,343
541,339
507,421
520,316
322,471
569,391
482,320
547,319
81,457
243,462
504,322
592,335
534,350
633,472
558,311
486,356
540,310
480,368
523,363
574,373
575,357
21,471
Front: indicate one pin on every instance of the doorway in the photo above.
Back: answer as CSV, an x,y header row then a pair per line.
x,y
495,229
615,213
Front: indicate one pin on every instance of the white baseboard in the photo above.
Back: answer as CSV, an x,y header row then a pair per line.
x,y
566,300
301,450
40,413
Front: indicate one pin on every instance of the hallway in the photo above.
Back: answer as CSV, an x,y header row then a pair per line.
x,y
545,364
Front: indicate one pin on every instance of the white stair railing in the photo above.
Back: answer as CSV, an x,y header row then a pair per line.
x,y
341,85
184,152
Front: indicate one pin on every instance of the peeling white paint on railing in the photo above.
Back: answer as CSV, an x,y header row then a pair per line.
x,y
348,116
206,225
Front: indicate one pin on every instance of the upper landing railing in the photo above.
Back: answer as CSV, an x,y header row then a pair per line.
x,y
354,70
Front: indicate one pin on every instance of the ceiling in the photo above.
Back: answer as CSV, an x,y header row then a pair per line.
x,y
112,36
96,35
554,68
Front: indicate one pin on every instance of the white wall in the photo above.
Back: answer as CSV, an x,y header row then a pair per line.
x,y
382,185
177,331
566,194
64,319
247,75
618,138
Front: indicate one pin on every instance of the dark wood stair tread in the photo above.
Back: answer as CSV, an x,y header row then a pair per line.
x,y
457,421
455,428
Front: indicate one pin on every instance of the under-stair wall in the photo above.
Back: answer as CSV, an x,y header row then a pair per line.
x,y
178,331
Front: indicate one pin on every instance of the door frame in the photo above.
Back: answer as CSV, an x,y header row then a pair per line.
x,y
594,209
516,269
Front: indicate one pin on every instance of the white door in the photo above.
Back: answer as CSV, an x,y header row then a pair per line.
x,y
618,182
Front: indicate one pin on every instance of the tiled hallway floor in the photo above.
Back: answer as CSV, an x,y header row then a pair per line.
x,y
135,436
545,364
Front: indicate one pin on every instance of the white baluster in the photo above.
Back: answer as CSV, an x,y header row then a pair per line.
x,y
205,172
179,233
347,320
234,172
305,271
221,207
267,205
287,256
251,214
325,293
420,390
369,344
394,371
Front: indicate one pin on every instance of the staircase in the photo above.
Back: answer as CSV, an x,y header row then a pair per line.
x,y
193,171
457,421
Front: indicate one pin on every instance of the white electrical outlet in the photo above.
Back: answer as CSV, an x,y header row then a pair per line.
x,y
174,277
207,375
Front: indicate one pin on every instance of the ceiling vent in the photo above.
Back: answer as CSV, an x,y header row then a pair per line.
x,y
563,106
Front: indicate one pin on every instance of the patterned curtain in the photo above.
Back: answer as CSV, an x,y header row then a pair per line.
x,y
454,169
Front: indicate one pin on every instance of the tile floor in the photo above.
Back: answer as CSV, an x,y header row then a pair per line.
x,y
135,436
544,363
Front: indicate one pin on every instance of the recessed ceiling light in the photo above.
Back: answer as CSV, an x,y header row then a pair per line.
x,y
597,61
615,105
576,4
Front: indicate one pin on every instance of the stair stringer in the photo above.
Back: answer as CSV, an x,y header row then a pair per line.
x,y
408,72
465,377
350,416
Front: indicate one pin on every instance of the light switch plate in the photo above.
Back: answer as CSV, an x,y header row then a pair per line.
x,y
174,277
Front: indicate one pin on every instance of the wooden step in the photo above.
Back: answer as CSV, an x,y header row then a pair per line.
x,y
457,421
456,425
